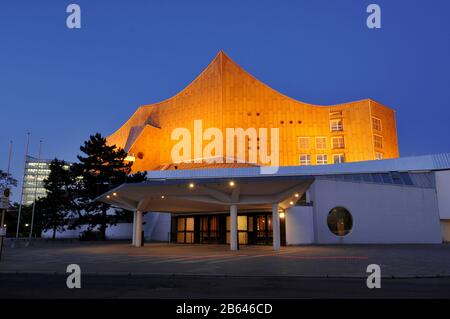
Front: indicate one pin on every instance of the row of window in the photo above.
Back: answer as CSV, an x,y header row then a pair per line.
x,y
304,143
321,159
399,178
337,125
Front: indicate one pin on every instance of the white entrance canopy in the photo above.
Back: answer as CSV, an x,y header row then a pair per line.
x,y
207,195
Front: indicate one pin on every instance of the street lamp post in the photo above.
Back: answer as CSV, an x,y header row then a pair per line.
x,y
7,194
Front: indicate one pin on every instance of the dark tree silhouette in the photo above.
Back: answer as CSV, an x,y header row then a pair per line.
x,y
102,168
59,203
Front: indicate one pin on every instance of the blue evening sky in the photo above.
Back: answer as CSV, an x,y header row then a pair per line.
x,y
63,85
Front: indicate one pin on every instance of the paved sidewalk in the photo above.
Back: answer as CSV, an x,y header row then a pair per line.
x,y
118,258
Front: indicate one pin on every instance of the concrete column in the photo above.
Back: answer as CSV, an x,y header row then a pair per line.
x,y
308,196
138,229
233,228
275,227
133,242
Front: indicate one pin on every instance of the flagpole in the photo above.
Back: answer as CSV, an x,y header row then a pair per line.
x,y
23,180
9,156
2,222
35,189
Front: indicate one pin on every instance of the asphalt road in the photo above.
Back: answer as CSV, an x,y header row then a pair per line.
x,y
181,287
115,258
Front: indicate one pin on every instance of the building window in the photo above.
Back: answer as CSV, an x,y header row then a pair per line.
x,y
340,221
242,228
338,158
209,232
336,125
305,159
303,143
185,230
378,156
338,142
378,141
322,159
321,143
376,124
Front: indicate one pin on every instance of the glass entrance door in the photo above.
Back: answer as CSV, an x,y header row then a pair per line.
x,y
209,229
242,230
264,229
253,229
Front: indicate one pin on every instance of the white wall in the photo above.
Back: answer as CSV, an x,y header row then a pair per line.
x,y
299,225
443,193
381,213
156,228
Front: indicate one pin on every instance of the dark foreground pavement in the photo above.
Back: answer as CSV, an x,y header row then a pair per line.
x,y
116,258
182,287
116,270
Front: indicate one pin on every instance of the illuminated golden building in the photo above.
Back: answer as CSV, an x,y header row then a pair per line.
x,y
226,96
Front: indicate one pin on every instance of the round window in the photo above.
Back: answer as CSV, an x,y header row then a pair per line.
x,y
340,221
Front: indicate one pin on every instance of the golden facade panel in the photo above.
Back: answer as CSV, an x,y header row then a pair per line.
x,y
226,96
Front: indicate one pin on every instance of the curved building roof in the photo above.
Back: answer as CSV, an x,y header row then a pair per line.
x,y
224,96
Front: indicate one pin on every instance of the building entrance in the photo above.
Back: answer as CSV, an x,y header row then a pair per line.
x,y
253,229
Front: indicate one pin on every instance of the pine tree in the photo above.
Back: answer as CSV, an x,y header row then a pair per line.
x,y
102,168
59,203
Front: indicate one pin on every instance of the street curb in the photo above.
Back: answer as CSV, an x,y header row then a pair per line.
x,y
131,274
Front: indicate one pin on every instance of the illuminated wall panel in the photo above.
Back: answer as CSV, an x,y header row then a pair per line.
x,y
224,95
